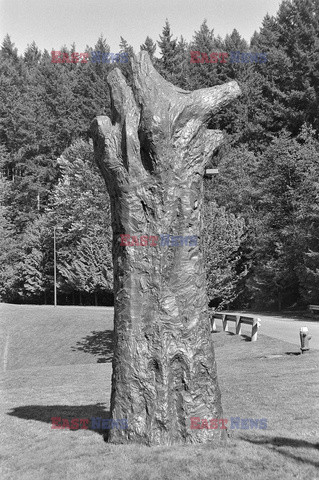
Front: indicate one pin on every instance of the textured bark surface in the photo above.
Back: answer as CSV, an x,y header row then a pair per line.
x,y
152,154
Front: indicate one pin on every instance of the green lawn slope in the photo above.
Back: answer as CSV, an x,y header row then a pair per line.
x,y
56,362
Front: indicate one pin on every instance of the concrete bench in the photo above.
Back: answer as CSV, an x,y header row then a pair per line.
x,y
238,320
313,308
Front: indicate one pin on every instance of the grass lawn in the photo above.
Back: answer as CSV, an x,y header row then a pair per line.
x,y
56,362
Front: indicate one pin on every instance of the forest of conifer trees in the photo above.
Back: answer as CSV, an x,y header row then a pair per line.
x,y
261,215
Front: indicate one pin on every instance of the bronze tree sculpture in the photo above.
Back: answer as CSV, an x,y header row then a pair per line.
x,y
152,154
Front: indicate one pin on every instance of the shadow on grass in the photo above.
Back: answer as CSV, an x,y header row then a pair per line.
x,y
246,338
44,413
243,336
274,442
99,343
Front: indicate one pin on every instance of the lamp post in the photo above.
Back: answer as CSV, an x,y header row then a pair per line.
x,y
54,261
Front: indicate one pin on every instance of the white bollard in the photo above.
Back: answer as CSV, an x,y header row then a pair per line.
x,y
256,325
238,325
225,324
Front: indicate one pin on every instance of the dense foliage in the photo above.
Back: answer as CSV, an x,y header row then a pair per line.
x,y
261,215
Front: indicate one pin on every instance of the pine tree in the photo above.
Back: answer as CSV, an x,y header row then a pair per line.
x,y
8,50
125,67
291,41
203,74
150,47
9,246
288,207
167,63
32,55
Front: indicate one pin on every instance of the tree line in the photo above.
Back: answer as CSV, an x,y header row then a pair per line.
x,y
261,212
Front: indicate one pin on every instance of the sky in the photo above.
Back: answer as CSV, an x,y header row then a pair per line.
x,y
54,23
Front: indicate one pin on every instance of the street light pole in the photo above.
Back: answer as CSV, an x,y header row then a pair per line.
x,y
54,254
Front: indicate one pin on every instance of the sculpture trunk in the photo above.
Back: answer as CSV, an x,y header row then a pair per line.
x,y
152,154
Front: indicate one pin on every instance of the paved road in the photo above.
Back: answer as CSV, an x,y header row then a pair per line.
x,y
287,329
